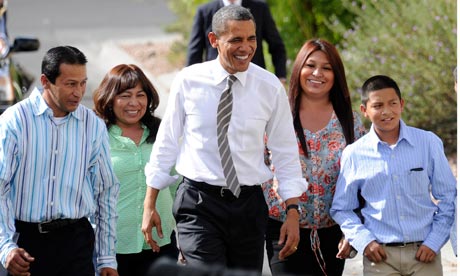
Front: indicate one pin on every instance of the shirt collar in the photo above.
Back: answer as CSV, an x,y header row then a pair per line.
x,y
40,106
404,134
237,2
117,132
220,74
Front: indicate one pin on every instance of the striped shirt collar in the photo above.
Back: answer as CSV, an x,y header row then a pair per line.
x,y
40,106
404,135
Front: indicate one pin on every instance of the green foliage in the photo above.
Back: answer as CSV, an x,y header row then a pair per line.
x,y
414,42
300,20
185,11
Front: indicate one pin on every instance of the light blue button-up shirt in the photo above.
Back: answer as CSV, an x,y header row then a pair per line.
x,y
56,168
397,183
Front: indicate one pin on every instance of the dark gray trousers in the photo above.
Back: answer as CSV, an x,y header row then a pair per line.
x,y
214,227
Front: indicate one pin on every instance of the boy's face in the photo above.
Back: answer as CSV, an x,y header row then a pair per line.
x,y
384,109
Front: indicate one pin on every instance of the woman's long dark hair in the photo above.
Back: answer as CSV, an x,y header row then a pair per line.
x,y
119,79
339,94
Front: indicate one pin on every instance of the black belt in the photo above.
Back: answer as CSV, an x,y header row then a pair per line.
x,y
221,191
402,244
44,227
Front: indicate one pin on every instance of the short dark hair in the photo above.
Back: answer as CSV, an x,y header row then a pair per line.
x,y
57,56
375,83
230,12
119,79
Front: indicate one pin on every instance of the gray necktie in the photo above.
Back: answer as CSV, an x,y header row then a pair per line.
x,y
224,113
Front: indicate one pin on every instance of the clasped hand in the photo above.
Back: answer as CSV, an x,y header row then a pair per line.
x,y
375,252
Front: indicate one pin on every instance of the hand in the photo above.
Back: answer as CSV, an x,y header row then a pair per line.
x,y
375,252
344,249
108,271
151,219
290,228
18,262
425,254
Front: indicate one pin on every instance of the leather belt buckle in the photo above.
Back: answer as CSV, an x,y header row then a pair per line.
x,y
40,227
222,191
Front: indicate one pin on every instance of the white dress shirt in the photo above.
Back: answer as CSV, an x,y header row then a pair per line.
x,y
235,2
188,136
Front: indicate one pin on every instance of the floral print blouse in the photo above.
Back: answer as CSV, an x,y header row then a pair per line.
x,y
321,170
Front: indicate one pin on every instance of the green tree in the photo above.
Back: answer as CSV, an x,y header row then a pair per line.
x,y
185,11
414,42
300,20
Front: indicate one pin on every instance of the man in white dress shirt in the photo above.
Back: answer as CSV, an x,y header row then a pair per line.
x,y
214,226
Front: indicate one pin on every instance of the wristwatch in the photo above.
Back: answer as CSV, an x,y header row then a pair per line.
x,y
293,206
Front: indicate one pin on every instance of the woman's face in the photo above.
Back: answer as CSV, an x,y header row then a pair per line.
x,y
317,76
130,106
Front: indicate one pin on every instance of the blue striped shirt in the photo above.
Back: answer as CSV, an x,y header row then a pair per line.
x,y
52,168
395,182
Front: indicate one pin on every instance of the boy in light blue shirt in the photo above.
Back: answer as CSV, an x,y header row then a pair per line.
x,y
408,188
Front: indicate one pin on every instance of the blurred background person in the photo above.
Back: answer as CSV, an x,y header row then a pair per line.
x,y
199,49
126,100
325,124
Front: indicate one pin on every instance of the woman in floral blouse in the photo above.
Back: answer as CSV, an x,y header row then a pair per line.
x,y
324,124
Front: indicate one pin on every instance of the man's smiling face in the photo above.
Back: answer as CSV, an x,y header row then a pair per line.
x,y
236,46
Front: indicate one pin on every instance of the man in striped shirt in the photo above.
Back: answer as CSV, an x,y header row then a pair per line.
x,y
55,173
397,169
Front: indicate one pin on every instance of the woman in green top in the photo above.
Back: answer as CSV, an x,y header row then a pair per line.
x,y
126,101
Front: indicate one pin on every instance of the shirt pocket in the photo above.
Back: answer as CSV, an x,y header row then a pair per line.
x,y
200,118
249,133
417,183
